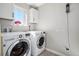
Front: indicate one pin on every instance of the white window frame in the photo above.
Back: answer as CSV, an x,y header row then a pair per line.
x,y
25,15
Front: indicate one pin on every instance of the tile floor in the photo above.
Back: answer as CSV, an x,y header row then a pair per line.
x,y
47,53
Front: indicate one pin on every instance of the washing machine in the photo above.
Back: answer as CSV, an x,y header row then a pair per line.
x,y
38,42
16,44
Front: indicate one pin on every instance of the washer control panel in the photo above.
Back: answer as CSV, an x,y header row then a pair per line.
x,y
20,36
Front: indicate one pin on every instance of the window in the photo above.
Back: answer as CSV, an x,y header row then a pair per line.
x,y
20,16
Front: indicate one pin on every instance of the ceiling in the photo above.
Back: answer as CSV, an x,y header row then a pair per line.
x,y
35,4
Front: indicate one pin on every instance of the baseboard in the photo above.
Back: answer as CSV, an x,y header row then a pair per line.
x,y
53,51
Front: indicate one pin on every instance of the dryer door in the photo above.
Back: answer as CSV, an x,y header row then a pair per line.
x,y
40,42
19,48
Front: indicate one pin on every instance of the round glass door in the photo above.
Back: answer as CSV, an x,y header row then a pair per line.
x,y
20,49
40,42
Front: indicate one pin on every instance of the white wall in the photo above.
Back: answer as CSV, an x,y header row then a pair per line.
x,y
74,28
53,20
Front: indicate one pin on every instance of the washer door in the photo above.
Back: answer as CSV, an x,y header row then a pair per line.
x,y
40,42
19,48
